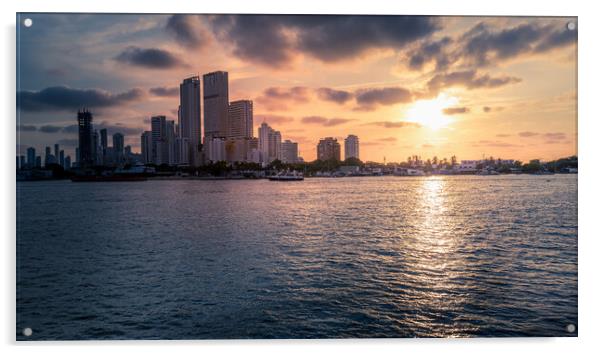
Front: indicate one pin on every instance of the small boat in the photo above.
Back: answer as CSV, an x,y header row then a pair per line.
x,y
488,173
287,177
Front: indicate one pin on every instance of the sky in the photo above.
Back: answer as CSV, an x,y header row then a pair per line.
x,y
471,87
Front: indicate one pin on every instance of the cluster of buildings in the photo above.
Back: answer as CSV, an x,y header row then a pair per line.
x,y
93,148
35,161
225,135
330,149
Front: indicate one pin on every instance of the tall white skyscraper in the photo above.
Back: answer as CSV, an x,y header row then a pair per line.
x,y
269,143
352,147
240,116
189,116
216,103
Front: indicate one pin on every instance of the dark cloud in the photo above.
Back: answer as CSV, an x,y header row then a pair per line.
x,y
484,45
187,30
27,128
152,58
387,124
456,110
469,79
332,95
50,129
165,91
277,98
66,98
327,122
325,37
431,51
369,98
527,134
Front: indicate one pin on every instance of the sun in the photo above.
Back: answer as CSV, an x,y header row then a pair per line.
x,y
429,113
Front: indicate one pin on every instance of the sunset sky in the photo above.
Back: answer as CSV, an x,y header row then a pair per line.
x,y
428,86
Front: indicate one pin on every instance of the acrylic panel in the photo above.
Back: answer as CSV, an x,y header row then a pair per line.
x,y
226,176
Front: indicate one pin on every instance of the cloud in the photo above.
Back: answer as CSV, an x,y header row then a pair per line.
x,y
278,98
68,142
327,122
337,96
328,38
555,136
272,118
389,139
49,129
27,128
469,79
456,110
487,109
484,45
502,135
428,146
152,58
367,99
187,30
387,124
66,98
493,143
527,134
430,51
165,91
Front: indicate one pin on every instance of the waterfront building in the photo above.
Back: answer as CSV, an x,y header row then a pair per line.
x,y
189,117
67,165
85,135
146,147
270,142
62,158
48,158
118,152
38,161
31,157
328,149
289,151
352,147
56,152
240,119
215,104
103,144
182,149
217,149
237,149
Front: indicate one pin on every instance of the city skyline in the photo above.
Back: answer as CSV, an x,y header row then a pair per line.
x,y
450,86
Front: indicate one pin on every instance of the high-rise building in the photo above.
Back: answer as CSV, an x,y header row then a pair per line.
x,y
159,132
182,151
240,116
96,148
118,143
56,152
38,161
352,147
146,146
329,149
48,158
290,152
62,158
104,143
215,104
31,157
217,149
189,116
269,143
67,165
170,141
86,143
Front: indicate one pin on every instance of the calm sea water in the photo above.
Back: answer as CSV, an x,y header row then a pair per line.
x,y
322,258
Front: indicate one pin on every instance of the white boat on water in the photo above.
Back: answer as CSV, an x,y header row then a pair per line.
x,y
409,172
287,177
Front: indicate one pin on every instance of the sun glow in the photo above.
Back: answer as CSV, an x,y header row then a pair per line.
x,y
430,112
